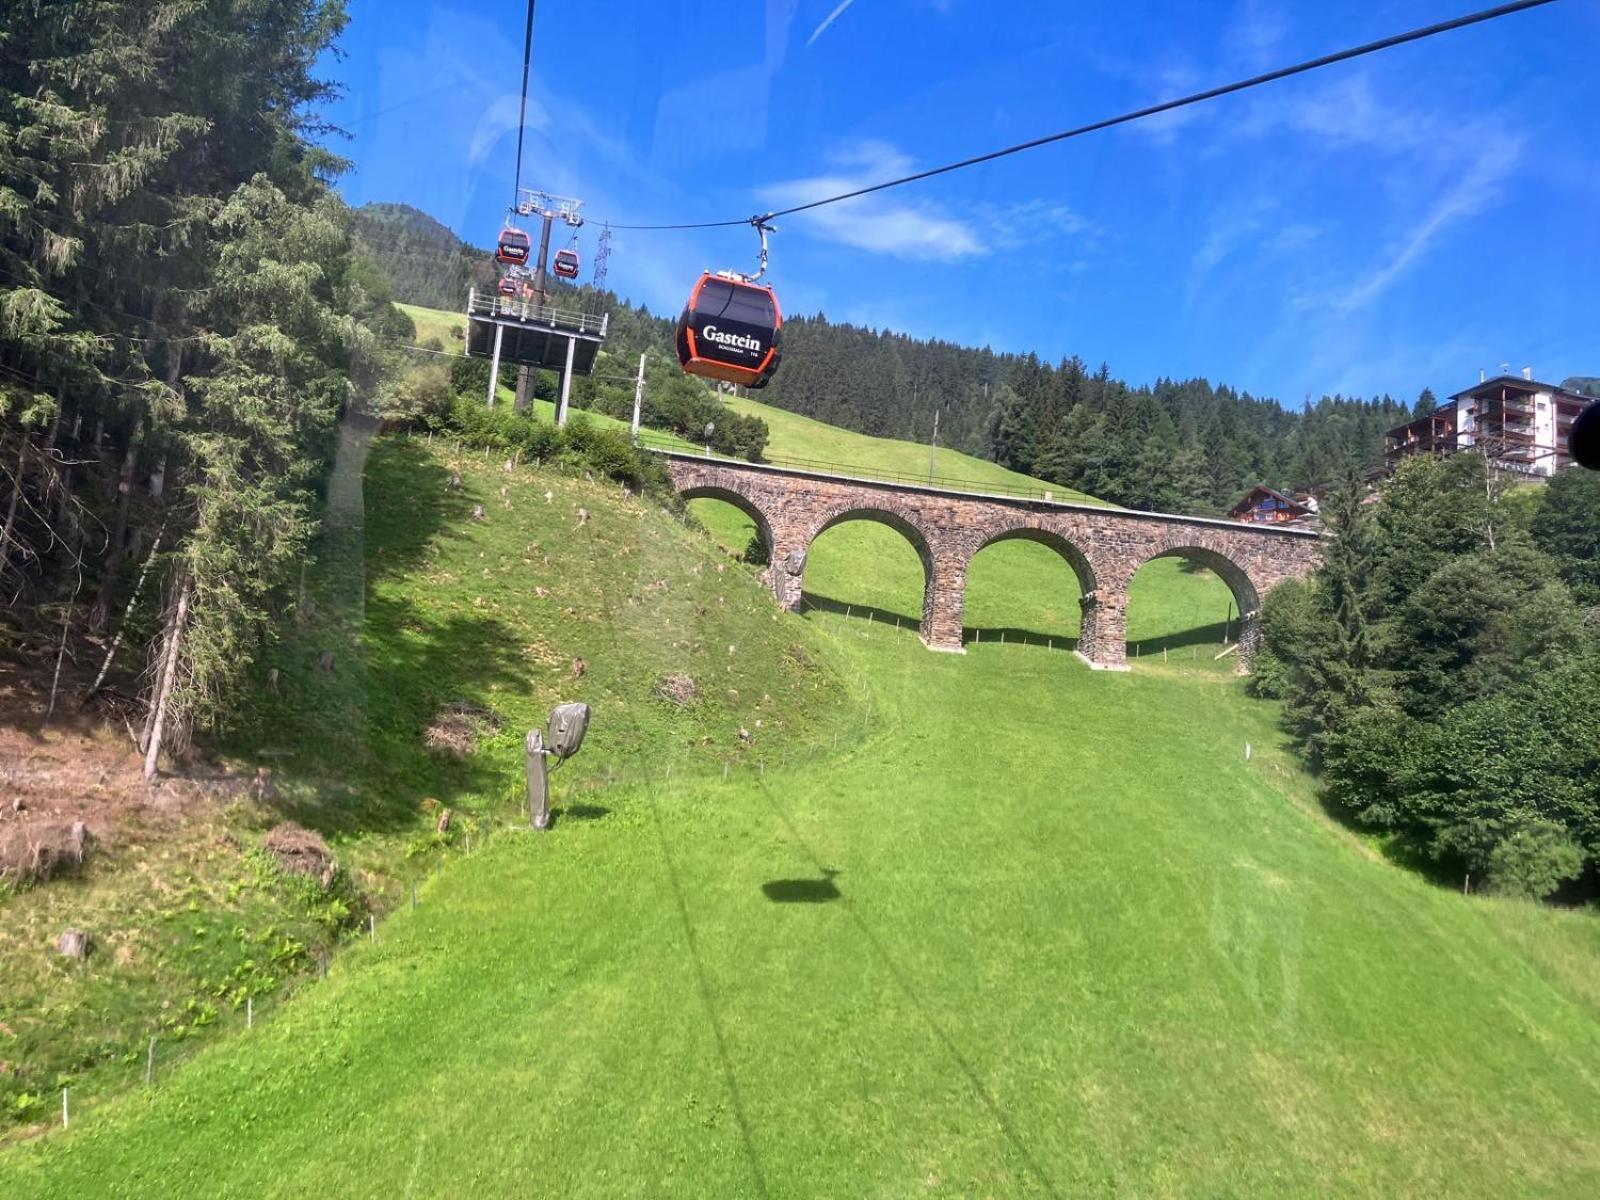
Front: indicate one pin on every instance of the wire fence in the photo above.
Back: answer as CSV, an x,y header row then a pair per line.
x,y
153,1063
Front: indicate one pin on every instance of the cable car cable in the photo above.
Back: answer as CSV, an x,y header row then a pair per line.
x,y
522,114
1326,60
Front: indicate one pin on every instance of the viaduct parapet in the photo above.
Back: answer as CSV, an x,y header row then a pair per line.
x,y
1103,546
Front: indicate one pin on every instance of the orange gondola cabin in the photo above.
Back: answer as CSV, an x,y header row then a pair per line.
x,y
514,247
730,330
566,264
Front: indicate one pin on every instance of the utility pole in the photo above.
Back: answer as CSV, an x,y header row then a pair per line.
x,y
933,447
638,397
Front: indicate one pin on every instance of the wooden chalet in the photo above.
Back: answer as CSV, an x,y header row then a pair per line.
x,y
1263,506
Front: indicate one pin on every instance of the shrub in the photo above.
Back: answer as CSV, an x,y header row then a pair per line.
x,y
580,446
1534,860
470,377
422,397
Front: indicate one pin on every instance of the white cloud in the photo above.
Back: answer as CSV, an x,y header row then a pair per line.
x,y
1437,170
914,230
1425,171
828,20
919,230
1032,222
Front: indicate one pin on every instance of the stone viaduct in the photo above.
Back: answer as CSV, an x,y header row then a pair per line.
x,y
1103,546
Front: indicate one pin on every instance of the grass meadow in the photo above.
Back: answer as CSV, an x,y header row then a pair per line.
x,y
978,925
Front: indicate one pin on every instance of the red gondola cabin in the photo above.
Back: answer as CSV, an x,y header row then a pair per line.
x,y
508,286
514,247
730,330
566,264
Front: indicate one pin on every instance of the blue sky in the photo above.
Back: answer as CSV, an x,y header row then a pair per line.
x,y
1379,226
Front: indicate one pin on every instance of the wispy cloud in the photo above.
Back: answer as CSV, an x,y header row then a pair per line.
x,y
915,230
1426,171
920,230
1437,170
828,20
1257,32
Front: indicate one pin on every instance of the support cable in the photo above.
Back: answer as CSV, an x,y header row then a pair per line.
x,y
1326,60
522,114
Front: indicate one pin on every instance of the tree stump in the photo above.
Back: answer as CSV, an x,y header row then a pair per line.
x,y
73,943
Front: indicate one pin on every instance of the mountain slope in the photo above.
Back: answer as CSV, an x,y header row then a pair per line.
x,y
1044,932
1023,929
424,262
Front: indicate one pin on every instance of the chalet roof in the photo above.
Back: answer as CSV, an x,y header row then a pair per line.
x,y
1262,492
1519,384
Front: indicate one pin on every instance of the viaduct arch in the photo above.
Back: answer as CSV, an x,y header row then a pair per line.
x,y
1105,547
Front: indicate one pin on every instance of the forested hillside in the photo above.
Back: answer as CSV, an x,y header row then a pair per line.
x,y
1185,446
1442,671
424,262
182,319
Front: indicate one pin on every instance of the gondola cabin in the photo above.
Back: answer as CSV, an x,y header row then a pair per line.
x,y
508,286
514,247
566,264
730,330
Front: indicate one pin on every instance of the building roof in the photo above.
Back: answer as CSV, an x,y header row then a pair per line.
x,y
1520,384
1262,492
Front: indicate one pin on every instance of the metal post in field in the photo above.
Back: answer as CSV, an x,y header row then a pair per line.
x,y
638,397
150,1064
566,381
372,927
494,362
65,1122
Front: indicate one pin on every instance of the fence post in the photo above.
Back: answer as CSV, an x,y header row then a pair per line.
x,y
64,1120
150,1064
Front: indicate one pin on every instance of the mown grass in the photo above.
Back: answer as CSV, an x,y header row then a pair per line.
x,y
449,328
795,436
1037,931
421,606
990,924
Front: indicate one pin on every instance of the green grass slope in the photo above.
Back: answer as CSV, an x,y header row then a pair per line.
x,y
798,437
1042,932
423,607
448,327
980,925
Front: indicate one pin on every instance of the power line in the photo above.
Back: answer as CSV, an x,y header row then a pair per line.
x,y
1327,60
522,114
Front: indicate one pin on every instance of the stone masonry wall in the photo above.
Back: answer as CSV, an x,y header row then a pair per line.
x,y
1104,547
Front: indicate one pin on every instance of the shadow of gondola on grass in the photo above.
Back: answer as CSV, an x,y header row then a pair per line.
x,y
803,891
